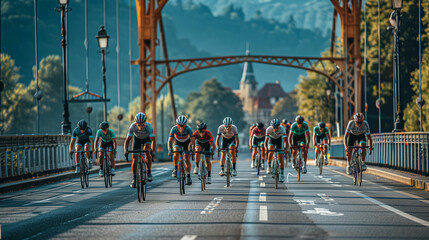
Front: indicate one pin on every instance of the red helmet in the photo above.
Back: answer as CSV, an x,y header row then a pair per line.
x,y
358,117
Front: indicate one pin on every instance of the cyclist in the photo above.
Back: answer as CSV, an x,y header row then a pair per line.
x,y
181,134
85,140
229,134
276,139
203,142
286,124
108,139
356,130
321,134
142,133
299,132
257,138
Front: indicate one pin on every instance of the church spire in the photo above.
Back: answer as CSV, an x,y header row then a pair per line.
x,y
248,75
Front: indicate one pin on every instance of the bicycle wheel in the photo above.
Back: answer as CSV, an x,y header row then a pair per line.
x,y
82,172
228,173
105,172
202,174
139,181
299,165
86,172
144,178
353,168
276,174
109,166
258,163
183,177
320,162
359,167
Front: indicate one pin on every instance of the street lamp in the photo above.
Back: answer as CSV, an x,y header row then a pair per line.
x,y
103,42
394,21
328,94
65,124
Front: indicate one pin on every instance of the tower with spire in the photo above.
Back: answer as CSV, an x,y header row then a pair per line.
x,y
249,90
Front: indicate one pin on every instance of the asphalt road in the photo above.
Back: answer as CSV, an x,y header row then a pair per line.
x,y
321,207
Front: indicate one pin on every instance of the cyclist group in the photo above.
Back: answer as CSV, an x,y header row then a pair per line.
x,y
280,136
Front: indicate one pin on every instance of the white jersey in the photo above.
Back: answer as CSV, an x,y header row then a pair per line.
x,y
227,132
276,135
363,129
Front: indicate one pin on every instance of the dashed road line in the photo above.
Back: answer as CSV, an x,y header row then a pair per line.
x,y
263,197
262,184
189,237
212,206
263,213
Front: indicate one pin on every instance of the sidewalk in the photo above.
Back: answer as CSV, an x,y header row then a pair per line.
x,y
410,179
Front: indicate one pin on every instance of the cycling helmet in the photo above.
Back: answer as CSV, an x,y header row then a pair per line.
x,y
201,126
358,117
140,118
181,120
299,119
321,125
82,124
275,122
284,121
260,125
104,125
227,121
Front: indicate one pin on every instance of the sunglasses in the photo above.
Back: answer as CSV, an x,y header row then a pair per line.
x,y
140,125
228,126
181,125
359,123
202,131
276,127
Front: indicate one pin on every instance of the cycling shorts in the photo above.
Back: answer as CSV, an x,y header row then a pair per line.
x,y
257,141
184,145
138,142
321,138
83,142
277,143
105,145
227,142
205,147
353,138
298,138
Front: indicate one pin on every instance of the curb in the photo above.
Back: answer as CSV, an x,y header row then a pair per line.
x,y
10,187
407,180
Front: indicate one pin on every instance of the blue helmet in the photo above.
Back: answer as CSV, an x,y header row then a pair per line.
x,y
140,118
82,124
181,120
275,122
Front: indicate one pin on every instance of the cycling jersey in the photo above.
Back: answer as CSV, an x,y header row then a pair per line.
x,y
258,133
281,132
251,129
285,125
207,137
363,129
227,132
82,136
316,131
299,131
106,137
181,136
142,134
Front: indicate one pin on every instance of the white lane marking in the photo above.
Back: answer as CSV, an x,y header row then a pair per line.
x,y
305,202
394,210
212,206
67,195
41,201
263,213
263,197
261,178
323,212
408,194
262,184
189,237
42,191
326,198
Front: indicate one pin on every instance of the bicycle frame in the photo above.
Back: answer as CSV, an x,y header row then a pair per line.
x,y
83,167
356,164
276,167
181,176
107,167
301,148
141,175
203,169
228,163
320,160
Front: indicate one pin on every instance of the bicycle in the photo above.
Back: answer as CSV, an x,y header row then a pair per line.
x,y
83,167
181,174
203,169
276,167
356,164
320,161
298,166
141,175
258,160
228,162
107,167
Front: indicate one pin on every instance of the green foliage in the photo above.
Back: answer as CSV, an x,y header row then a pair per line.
x,y
16,101
120,127
212,104
285,108
169,119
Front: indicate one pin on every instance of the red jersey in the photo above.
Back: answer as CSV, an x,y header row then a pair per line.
x,y
207,137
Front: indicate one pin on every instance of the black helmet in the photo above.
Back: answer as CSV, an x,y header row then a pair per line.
x,y
104,125
299,119
202,126
284,121
82,124
260,125
321,125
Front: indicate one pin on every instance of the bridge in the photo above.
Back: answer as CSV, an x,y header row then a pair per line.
x,y
41,196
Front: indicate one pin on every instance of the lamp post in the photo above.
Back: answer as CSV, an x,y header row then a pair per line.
x,y
162,117
103,41
394,21
328,95
65,124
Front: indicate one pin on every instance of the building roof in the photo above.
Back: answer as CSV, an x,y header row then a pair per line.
x,y
248,74
268,91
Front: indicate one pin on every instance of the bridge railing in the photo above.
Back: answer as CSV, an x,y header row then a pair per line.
x,y
406,151
33,155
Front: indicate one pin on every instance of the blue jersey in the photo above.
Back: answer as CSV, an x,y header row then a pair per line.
x,y
181,137
82,136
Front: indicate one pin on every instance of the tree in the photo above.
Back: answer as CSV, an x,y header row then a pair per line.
x,y
169,120
120,127
212,104
16,111
285,108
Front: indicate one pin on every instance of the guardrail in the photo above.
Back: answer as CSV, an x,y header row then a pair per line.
x,y
403,151
33,155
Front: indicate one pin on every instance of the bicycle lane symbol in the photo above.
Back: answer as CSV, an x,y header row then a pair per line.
x,y
323,212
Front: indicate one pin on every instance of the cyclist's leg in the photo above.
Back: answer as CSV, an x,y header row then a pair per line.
x,y
263,150
254,148
198,155
87,147
176,155
78,148
188,163
281,155
270,156
148,156
232,151
362,143
101,157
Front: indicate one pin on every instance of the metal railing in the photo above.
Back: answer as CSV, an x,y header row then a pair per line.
x,y
406,151
32,155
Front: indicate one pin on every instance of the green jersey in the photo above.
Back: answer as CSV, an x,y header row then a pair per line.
x,y
316,130
106,137
299,131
